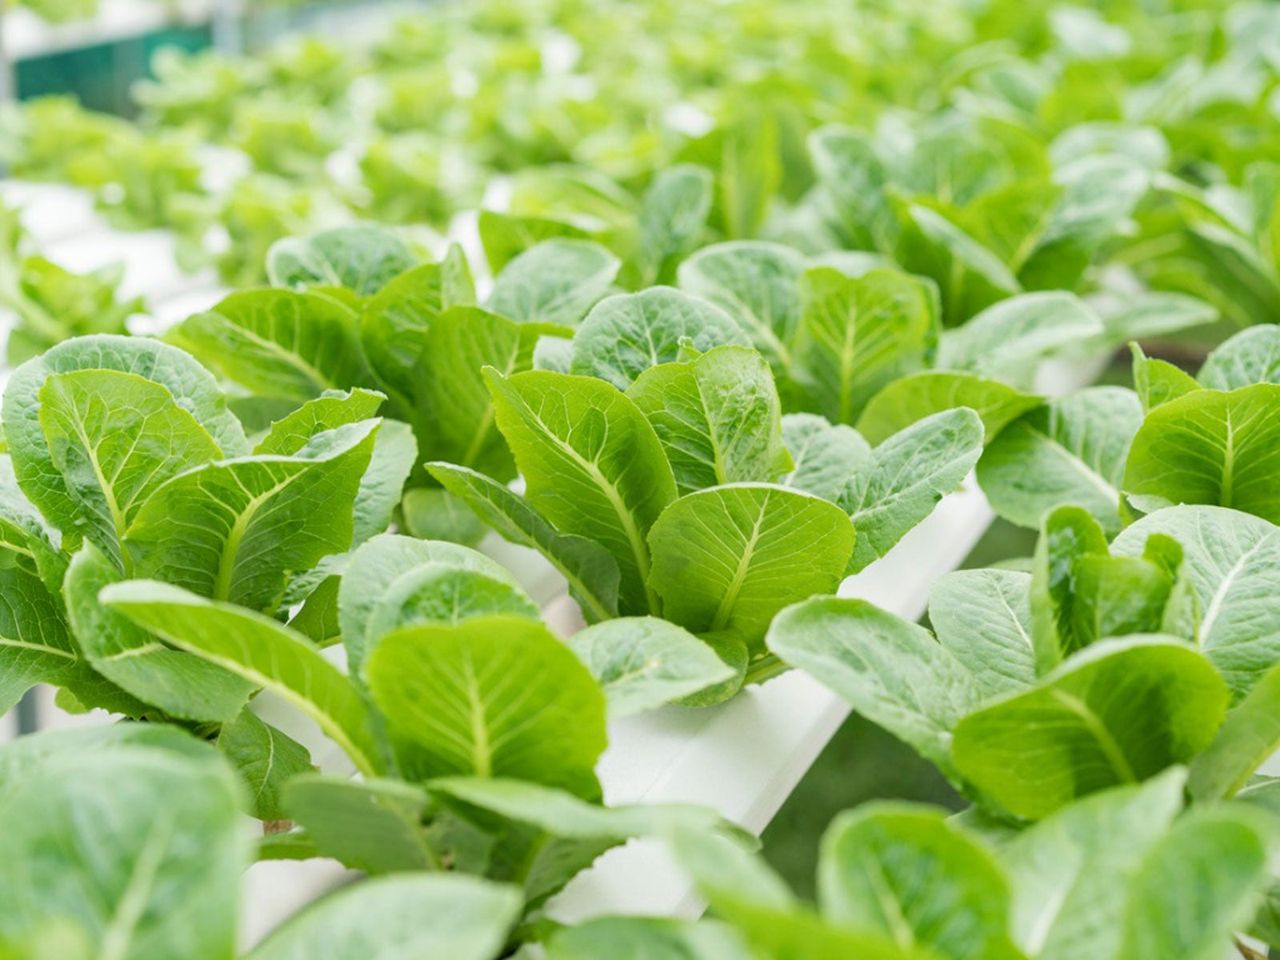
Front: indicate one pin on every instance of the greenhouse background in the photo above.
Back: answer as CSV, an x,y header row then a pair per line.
x,y
573,479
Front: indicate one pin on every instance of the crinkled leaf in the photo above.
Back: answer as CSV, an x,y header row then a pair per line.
x,y
625,335
718,418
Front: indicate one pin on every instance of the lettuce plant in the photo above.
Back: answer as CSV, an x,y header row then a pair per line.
x,y
1112,876
1173,439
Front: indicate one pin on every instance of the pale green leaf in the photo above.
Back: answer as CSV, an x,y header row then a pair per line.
x,y
910,473
360,257
235,530
824,457
1233,560
890,671
983,619
1210,447
857,334
906,872
912,398
400,918
557,281
177,683
278,343
644,662
1071,450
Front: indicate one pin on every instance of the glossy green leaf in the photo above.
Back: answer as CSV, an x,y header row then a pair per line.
x,y
919,395
1250,357
115,438
455,410
1209,447
726,559
906,872
133,846
1158,381
593,466
395,321
1248,737
494,696
265,759
1200,885
35,646
258,649
1070,872
374,825
191,386
177,683
278,343
672,218
235,530
970,276
1117,713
